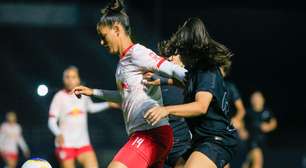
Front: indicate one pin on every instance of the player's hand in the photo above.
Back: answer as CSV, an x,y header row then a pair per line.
x,y
60,140
243,134
82,90
148,75
114,105
27,154
237,123
155,114
264,127
149,81
152,82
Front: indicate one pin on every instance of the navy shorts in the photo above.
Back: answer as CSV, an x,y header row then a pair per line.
x,y
178,150
214,152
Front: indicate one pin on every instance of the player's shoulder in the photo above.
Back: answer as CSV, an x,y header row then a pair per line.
x,y
60,93
139,49
267,111
18,126
229,84
3,125
207,75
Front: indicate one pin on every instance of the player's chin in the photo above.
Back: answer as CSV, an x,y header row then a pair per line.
x,y
111,51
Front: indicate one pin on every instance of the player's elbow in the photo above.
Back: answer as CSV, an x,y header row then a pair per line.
x,y
202,109
274,123
51,122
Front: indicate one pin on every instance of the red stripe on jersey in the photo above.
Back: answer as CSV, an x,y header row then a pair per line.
x,y
160,62
125,51
124,85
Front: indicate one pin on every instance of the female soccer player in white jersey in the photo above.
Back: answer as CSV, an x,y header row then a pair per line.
x,y
10,138
148,145
68,122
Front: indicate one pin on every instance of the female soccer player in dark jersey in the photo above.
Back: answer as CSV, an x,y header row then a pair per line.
x,y
206,98
237,113
237,110
259,121
236,107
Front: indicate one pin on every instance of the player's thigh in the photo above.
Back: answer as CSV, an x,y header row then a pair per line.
x,y
198,159
11,163
257,158
116,164
68,163
88,159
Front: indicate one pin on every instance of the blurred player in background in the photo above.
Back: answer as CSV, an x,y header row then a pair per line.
x,y
173,95
259,121
237,110
10,138
68,122
237,113
148,144
236,107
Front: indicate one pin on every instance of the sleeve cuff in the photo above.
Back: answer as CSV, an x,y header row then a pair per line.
x,y
97,92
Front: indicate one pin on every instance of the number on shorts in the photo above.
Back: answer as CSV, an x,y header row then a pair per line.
x,y
138,141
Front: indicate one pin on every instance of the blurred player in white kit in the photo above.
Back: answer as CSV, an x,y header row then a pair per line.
x,y
10,139
68,122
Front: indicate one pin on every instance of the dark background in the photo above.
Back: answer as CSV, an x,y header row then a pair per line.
x,y
38,39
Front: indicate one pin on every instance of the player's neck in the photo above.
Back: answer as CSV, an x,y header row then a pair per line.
x,y
258,109
11,123
125,43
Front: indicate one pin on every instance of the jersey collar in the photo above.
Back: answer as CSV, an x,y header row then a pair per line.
x,y
125,51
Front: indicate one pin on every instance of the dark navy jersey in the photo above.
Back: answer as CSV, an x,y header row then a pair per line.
x,y
254,119
233,95
173,95
215,125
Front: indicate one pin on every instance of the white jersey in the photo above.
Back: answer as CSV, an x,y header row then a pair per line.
x,y
11,137
68,116
137,98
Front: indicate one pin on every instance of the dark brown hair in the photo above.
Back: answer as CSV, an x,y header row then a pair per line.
x,y
113,13
196,47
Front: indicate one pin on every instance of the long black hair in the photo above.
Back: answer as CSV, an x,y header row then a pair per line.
x,y
113,13
197,49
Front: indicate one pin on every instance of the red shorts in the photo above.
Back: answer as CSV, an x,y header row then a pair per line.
x,y
9,156
147,148
64,153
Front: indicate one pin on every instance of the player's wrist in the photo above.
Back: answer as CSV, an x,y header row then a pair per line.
x,y
167,110
162,80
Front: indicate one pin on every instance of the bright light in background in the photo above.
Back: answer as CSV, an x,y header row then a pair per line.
x,y
42,90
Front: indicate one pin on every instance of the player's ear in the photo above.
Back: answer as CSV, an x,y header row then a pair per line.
x,y
117,28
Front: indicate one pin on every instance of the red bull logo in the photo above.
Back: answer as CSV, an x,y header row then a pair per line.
x,y
75,112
